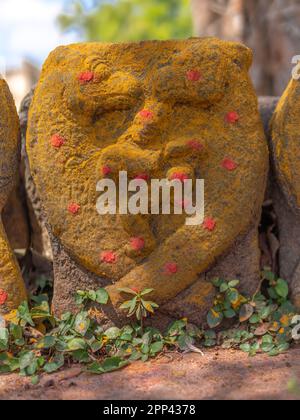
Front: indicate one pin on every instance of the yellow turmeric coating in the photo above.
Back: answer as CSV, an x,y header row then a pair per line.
x,y
12,289
285,142
151,108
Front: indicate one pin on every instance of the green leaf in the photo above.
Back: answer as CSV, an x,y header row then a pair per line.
x,y
113,333
127,304
56,363
229,314
254,349
255,319
26,359
79,299
126,337
217,282
41,311
208,342
4,337
176,328
76,344
4,369
224,287
283,347
82,323
282,288
46,342
138,313
149,306
130,305
81,356
13,363
92,295
214,319
245,347
268,275
266,348
246,312
144,357
146,292
102,296
127,290
233,296
109,365
145,348
24,314
272,293
264,313
267,339
233,283
35,380
156,347
96,345
136,355
16,331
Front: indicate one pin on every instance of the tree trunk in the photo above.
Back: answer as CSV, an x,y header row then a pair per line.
x,y
270,27
222,18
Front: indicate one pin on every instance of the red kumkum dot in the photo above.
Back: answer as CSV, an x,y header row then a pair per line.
x,y
195,144
73,208
146,114
108,257
229,164
194,75
183,203
170,268
179,176
57,141
137,243
232,117
143,177
3,297
106,170
209,224
86,77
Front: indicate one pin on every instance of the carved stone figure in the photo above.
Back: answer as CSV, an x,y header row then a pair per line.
x,y
285,150
175,109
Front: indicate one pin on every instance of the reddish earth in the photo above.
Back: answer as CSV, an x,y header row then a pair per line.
x,y
218,375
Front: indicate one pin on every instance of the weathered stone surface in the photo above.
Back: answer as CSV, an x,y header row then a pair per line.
x,y
146,108
39,238
12,289
285,152
15,220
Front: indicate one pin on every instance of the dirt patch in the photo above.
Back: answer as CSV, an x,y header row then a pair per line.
x,y
218,375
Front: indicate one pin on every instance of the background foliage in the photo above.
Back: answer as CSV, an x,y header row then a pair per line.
x,y
130,20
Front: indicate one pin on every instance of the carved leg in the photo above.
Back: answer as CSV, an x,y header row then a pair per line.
x,y
12,289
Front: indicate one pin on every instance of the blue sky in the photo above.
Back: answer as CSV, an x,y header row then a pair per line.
x,y
28,29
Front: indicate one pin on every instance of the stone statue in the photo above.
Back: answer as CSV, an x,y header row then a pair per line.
x,y
176,110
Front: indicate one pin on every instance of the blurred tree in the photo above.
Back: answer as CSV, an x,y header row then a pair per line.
x,y
129,20
270,27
